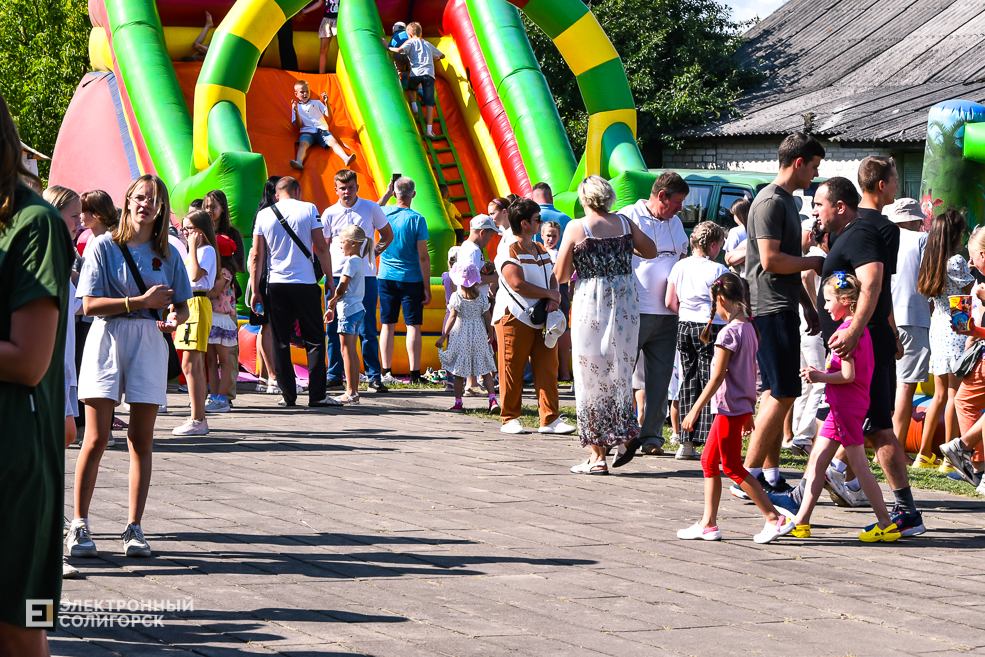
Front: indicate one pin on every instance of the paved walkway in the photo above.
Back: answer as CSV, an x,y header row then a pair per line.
x,y
392,529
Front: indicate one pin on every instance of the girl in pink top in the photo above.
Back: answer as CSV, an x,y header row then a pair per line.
x,y
847,389
732,393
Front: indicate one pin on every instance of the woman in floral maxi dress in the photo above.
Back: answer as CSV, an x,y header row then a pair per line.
x,y
604,320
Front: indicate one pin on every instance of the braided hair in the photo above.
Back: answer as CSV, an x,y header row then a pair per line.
x,y
729,286
704,235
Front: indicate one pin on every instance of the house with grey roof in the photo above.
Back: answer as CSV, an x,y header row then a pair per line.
x,y
860,74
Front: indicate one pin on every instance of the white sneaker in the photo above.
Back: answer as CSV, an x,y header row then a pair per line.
x,y
134,544
558,426
686,452
834,482
737,491
217,405
772,531
68,570
513,426
675,439
273,388
389,379
79,541
162,409
192,428
856,497
696,531
981,487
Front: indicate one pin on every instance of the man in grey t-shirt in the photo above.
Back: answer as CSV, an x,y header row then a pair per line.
x,y
774,261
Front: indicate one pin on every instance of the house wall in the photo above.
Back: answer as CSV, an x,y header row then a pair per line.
x,y
760,155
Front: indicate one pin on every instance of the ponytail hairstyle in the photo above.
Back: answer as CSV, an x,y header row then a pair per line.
x,y
202,220
845,287
705,234
942,243
730,287
100,205
354,233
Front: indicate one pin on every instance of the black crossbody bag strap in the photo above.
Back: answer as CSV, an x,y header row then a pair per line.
x,y
137,278
290,232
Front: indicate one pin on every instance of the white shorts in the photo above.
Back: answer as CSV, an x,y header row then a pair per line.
x,y
125,356
328,28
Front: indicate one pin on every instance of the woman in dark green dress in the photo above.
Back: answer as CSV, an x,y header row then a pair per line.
x,y
35,266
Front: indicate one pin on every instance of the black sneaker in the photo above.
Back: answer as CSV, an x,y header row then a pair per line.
x,y
335,384
378,386
781,487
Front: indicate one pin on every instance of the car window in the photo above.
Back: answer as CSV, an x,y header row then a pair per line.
x,y
695,208
729,196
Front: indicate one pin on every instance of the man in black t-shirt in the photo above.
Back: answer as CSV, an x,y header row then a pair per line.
x,y
864,246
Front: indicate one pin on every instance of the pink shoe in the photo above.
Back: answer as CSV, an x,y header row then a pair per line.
x,y
459,406
494,407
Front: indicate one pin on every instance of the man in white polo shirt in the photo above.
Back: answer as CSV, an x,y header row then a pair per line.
x,y
292,290
657,218
368,215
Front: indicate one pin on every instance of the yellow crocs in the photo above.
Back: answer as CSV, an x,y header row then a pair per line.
x,y
801,531
875,534
925,462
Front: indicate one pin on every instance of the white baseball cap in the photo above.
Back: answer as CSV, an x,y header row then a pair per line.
x,y
399,25
483,222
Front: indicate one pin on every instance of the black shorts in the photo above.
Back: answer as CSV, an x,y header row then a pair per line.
x,y
397,294
427,86
779,353
882,397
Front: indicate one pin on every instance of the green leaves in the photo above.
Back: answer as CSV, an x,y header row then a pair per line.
x,y
44,52
678,56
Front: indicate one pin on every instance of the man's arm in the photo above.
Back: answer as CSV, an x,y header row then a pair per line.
x,y
258,254
869,275
325,256
778,262
424,258
386,236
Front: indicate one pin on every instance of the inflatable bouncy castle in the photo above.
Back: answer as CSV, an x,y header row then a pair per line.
x,y
224,123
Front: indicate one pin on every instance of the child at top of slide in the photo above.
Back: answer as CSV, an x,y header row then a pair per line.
x,y
847,390
422,57
310,117
732,391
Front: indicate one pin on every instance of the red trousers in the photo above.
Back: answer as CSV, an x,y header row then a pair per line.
x,y
725,446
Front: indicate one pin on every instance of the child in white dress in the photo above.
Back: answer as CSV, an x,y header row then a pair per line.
x,y
467,333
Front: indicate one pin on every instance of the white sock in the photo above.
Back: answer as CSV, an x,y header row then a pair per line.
x,y
755,472
772,475
854,486
839,465
413,108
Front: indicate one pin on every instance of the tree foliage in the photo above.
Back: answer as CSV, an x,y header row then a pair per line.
x,y
44,52
678,56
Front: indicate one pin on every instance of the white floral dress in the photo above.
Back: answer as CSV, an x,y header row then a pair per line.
x,y
946,346
605,322
468,353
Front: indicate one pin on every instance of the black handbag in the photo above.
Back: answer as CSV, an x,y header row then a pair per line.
x,y
174,363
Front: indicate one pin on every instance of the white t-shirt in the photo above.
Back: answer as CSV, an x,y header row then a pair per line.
x,y
736,236
312,116
287,263
206,260
692,278
651,274
470,253
365,214
421,54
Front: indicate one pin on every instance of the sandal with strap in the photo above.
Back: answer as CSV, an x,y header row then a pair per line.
x,y
590,468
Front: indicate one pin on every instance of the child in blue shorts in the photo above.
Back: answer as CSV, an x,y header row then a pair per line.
x,y
311,118
348,302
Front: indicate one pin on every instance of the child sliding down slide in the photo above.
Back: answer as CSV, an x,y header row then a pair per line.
x,y
311,118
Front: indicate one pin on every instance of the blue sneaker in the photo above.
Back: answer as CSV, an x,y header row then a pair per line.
x,y
909,524
784,501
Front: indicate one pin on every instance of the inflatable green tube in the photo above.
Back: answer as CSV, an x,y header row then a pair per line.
x,y
148,75
389,125
526,97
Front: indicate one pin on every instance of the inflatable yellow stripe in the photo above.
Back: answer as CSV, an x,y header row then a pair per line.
x,y
598,123
584,45
206,97
252,21
452,70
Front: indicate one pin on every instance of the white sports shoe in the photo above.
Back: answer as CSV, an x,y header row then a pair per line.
x,y
558,426
192,428
771,531
68,570
389,379
686,452
79,542
134,544
513,426
696,531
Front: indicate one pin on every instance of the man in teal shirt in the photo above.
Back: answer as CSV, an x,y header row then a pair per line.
x,y
405,280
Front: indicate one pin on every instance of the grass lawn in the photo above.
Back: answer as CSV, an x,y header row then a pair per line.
x,y
924,479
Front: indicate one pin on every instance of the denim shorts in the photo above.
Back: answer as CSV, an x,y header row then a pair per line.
x,y
395,295
427,88
320,138
349,325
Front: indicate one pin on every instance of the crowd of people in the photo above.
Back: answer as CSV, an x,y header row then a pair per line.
x,y
827,323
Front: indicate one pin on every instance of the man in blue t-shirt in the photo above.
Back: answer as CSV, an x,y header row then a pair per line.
x,y
405,279
544,197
